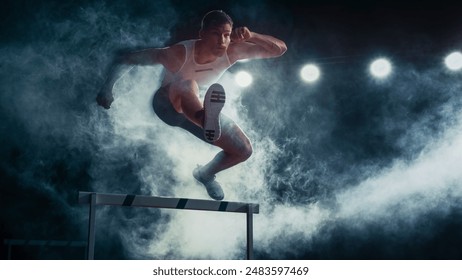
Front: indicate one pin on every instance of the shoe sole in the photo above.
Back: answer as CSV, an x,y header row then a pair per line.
x,y
214,102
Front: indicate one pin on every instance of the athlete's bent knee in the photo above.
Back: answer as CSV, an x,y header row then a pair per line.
x,y
246,151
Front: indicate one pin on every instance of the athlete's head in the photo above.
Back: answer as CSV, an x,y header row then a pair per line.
x,y
215,31
215,18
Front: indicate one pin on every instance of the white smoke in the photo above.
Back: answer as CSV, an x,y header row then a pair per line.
x,y
396,196
429,182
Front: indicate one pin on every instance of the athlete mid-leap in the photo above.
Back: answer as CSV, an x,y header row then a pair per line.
x,y
190,67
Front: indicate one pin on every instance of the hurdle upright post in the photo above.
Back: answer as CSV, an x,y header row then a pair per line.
x,y
91,228
249,231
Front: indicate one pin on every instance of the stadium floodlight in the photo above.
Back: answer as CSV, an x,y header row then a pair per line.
x,y
454,61
243,79
380,68
310,73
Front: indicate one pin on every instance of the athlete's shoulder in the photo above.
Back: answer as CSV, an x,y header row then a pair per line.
x,y
177,49
173,57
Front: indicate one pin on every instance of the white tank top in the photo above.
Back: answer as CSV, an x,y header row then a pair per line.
x,y
203,74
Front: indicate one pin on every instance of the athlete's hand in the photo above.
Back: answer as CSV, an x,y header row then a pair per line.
x,y
104,99
240,34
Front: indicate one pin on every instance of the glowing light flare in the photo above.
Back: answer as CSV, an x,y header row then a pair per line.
x,y
454,61
243,79
310,73
380,68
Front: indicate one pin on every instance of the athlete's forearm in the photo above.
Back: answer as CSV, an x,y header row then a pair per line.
x,y
116,72
105,96
271,44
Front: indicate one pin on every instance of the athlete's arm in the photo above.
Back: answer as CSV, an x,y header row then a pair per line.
x,y
105,97
170,57
248,44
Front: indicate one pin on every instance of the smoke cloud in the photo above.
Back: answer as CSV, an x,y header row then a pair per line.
x,y
346,168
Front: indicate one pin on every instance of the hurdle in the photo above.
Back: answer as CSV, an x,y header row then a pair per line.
x,y
94,199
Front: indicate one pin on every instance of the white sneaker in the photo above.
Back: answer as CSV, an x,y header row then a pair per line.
x,y
214,101
213,187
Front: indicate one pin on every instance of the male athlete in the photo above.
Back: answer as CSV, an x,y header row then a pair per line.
x,y
190,67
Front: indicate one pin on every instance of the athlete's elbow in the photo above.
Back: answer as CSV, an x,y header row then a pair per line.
x,y
282,48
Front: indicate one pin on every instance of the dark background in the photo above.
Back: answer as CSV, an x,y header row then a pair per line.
x,y
386,149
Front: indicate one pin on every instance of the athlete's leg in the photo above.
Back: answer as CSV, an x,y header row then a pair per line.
x,y
184,96
236,146
236,149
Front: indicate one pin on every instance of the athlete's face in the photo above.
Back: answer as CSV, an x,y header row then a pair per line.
x,y
217,38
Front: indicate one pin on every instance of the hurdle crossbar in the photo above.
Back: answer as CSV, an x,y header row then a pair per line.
x,y
129,200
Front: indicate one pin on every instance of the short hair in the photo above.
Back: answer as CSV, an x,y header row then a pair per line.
x,y
215,18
